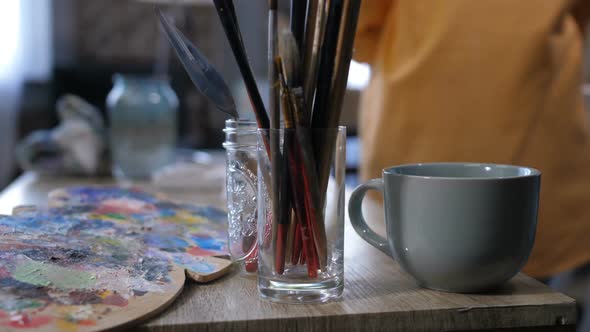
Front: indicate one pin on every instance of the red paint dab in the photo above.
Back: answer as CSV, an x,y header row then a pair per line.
x,y
86,322
196,251
115,299
251,262
4,273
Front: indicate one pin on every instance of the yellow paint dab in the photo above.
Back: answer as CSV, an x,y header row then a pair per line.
x,y
104,294
106,217
185,217
64,325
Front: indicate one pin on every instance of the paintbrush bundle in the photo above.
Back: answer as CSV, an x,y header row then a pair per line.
x,y
308,78
307,73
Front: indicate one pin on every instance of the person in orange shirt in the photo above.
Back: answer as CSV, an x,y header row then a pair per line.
x,y
485,81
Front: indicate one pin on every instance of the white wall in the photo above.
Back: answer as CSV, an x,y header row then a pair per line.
x,y
25,53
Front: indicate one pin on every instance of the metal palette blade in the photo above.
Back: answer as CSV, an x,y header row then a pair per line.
x,y
202,73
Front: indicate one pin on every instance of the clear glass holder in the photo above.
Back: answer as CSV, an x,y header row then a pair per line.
x,y
301,214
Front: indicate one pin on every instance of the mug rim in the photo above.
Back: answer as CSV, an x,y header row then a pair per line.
x,y
530,172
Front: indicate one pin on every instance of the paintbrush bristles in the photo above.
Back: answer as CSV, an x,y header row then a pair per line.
x,y
285,94
290,58
272,4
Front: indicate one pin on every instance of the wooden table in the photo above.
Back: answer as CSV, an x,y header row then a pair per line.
x,y
378,295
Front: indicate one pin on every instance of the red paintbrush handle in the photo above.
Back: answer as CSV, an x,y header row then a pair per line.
x,y
304,208
298,199
296,244
306,231
302,259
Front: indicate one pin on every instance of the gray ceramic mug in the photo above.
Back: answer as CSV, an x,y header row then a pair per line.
x,y
459,227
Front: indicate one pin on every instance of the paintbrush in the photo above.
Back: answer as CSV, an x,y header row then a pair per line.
x,y
275,122
314,31
201,72
291,63
288,76
327,115
291,71
274,107
324,85
227,16
302,184
297,21
290,59
326,67
283,223
231,9
342,59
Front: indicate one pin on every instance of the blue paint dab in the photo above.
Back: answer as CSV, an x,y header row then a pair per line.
x,y
208,243
199,266
166,243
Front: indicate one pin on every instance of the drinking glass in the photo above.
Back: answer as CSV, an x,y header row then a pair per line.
x,y
301,214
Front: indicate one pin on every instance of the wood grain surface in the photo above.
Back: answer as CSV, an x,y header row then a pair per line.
x,y
378,295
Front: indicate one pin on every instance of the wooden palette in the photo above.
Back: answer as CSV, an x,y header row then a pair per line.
x,y
103,257
66,274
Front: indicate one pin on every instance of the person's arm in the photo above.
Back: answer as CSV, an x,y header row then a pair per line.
x,y
371,20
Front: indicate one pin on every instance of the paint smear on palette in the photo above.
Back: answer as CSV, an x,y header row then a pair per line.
x,y
166,242
90,195
167,220
207,242
187,231
41,274
72,263
162,236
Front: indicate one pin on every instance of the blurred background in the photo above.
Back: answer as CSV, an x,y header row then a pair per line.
x,y
50,48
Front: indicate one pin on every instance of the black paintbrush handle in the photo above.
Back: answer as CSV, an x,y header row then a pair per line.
x,y
298,14
229,22
343,59
314,31
326,69
229,4
331,115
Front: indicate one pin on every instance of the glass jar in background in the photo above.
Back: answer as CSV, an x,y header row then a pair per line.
x,y
143,125
241,183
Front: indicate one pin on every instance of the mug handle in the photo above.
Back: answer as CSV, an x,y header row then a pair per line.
x,y
357,219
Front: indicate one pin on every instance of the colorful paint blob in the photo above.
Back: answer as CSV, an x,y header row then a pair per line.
x,y
46,274
166,225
